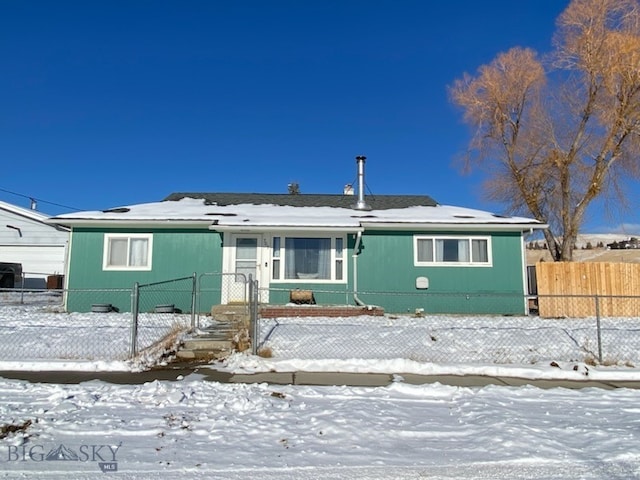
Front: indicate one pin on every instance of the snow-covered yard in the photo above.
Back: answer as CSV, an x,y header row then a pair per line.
x,y
192,428
454,338
41,337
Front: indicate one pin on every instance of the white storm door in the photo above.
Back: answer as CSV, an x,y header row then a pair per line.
x,y
246,259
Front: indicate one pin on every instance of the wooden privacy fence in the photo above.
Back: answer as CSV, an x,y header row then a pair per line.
x,y
582,289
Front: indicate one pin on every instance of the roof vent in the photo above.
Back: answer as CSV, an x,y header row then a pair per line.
x,y
361,204
293,188
117,210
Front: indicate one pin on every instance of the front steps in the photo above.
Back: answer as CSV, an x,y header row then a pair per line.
x,y
223,334
232,313
206,345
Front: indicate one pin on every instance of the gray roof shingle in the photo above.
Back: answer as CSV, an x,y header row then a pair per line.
x,y
377,202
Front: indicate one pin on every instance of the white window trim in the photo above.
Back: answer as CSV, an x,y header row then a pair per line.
x,y
434,263
333,259
105,251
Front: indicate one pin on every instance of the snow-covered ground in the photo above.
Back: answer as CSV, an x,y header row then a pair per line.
x,y
39,337
193,428
477,344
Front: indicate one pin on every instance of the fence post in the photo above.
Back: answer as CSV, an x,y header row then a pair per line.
x,y
135,305
599,329
193,300
22,277
252,316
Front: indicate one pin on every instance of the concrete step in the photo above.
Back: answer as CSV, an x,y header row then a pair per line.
x,y
199,343
207,345
218,336
201,355
236,314
212,342
204,349
217,330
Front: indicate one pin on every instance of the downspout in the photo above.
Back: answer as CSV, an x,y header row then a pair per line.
x,y
525,272
360,205
356,248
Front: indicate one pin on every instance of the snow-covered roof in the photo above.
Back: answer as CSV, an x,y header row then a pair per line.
x,y
23,212
32,215
198,212
377,202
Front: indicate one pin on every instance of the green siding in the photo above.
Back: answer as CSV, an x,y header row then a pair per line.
x,y
176,254
386,274
385,264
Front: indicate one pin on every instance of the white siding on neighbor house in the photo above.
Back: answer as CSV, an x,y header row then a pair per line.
x,y
25,238
37,261
18,230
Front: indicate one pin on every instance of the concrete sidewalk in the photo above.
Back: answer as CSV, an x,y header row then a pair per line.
x,y
206,373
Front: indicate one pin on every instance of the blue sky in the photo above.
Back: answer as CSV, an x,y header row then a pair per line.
x,y
109,103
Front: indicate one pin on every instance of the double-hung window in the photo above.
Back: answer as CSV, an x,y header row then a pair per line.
x,y
124,251
308,259
445,250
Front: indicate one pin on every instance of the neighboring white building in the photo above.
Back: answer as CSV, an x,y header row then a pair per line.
x,y
26,238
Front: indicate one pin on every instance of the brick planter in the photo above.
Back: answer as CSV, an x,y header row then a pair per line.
x,y
275,311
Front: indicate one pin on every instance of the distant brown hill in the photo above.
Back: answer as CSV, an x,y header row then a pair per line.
x,y
587,251
593,255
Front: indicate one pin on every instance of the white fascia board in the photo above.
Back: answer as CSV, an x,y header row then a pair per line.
x,y
23,212
466,227
284,228
37,217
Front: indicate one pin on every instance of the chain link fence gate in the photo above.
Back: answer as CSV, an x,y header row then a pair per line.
x,y
254,323
241,296
161,312
215,289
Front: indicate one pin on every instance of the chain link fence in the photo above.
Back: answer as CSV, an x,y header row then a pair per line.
x,y
161,312
20,287
12,276
139,324
212,287
51,298
465,337
35,325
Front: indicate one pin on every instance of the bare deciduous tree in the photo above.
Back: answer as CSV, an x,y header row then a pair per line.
x,y
559,133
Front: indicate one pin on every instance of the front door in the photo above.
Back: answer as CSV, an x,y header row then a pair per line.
x,y
245,258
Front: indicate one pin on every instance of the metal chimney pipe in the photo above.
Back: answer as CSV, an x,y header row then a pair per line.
x,y
361,204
